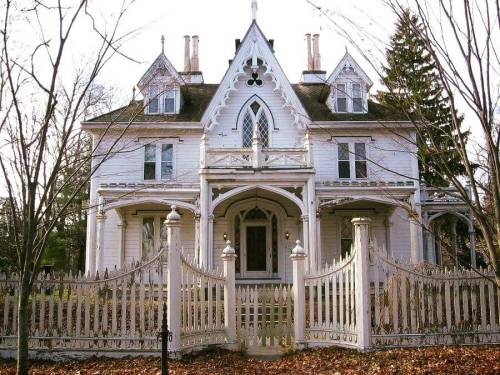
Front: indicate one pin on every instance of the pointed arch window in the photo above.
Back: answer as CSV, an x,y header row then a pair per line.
x,y
255,117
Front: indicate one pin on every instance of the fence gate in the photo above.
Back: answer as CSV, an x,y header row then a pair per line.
x,y
264,315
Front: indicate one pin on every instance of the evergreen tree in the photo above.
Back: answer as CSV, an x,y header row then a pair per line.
x,y
415,90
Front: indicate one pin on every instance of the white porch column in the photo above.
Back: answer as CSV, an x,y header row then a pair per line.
x,y
298,257
439,255
311,208
122,227
362,282
256,148
210,247
229,257
99,259
174,279
197,254
454,239
415,253
431,253
472,239
204,208
305,238
318,238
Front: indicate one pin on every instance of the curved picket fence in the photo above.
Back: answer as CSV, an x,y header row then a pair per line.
x,y
118,310
330,304
414,306
202,305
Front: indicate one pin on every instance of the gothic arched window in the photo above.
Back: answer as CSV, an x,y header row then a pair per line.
x,y
255,117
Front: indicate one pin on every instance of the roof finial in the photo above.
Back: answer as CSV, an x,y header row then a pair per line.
x,y
254,10
162,44
133,93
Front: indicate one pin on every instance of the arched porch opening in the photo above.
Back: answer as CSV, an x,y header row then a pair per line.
x,y
450,239
262,226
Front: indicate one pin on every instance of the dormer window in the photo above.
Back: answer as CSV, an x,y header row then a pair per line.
x,y
154,103
348,97
357,98
341,97
163,101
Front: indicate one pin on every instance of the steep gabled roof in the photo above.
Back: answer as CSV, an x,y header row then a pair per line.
x,y
160,62
348,60
254,43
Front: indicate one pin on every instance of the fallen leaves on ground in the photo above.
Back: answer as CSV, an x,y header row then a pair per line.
x,y
333,361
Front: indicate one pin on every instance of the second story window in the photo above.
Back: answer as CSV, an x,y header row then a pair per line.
x,y
158,162
352,161
169,101
255,117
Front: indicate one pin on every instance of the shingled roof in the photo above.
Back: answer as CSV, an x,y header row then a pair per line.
x,y
195,100
197,97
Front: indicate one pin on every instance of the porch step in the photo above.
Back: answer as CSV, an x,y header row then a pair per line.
x,y
265,353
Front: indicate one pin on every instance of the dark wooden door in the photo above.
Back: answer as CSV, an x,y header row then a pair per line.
x,y
256,248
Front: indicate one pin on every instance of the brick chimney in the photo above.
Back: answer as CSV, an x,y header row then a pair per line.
x,y
192,73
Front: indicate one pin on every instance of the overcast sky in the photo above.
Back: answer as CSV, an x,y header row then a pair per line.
x,y
219,22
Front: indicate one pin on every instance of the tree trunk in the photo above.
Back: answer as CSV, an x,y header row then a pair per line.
x,y
23,327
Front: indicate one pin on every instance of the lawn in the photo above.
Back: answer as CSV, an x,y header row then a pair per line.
x,y
433,360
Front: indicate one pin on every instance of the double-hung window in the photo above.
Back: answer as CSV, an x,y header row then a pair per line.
x,y
169,101
158,161
154,235
341,97
360,160
345,236
344,163
154,100
352,161
357,100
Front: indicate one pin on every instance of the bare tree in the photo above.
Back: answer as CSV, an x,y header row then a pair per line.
x,y
463,39
43,97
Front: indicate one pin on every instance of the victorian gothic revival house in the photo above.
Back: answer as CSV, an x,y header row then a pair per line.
x,y
259,161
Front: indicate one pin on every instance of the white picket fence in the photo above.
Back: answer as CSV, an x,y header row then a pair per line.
x,y
202,306
367,300
121,310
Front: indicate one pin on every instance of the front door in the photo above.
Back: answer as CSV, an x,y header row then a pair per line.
x,y
256,262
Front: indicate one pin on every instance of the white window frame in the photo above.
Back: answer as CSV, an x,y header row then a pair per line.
x,y
352,160
158,161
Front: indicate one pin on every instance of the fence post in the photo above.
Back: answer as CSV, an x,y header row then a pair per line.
x,y
229,257
174,278
298,257
362,280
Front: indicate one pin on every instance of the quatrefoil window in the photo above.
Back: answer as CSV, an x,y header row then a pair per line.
x,y
255,80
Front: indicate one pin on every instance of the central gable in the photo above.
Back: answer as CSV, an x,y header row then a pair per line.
x,y
255,61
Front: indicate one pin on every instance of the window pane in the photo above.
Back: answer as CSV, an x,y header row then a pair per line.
x,y
166,170
149,153
247,130
147,236
341,105
149,171
357,105
356,90
153,104
360,151
361,169
167,152
264,129
340,90
346,229
345,247
169,105
343,151
344,169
